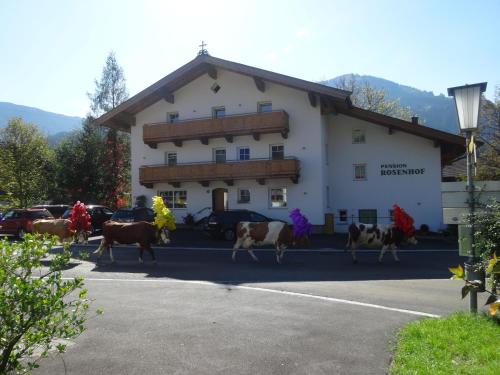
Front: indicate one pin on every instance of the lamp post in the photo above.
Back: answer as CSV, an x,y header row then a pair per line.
x,y
467,102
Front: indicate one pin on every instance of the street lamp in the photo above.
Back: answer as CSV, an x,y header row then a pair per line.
x,y
467,101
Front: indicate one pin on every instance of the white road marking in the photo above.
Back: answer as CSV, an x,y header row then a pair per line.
x,y
267,290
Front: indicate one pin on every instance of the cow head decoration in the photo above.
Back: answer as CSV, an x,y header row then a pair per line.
x,y
164,220
302,229
404,223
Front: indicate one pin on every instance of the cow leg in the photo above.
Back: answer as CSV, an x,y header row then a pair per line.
x,y
394,253
141,251
236,246
100,249
382,252
110,248
280,252
348,245
250,251
148,248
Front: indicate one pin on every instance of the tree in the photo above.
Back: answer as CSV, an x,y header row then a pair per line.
x,y
488,163
37,305
79,171
372,99
110,92
26,161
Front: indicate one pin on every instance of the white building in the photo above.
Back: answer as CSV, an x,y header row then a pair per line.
x,y
215,134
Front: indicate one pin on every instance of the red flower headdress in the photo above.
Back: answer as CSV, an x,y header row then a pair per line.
x,y
403,221
80,219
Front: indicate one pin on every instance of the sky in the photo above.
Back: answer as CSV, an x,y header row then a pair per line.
x,y
52,51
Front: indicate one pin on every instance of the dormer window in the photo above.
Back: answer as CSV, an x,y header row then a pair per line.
x,y
358,136
265,107
218,112
173,117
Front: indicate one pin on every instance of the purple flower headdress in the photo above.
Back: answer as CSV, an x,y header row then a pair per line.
x,y
301,226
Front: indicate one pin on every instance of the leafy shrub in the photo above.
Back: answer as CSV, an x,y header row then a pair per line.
x,y
487,244
36,305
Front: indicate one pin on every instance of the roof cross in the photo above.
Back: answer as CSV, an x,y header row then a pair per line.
x,y
202,51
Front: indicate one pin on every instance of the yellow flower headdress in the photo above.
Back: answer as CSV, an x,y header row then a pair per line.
x,y
163,217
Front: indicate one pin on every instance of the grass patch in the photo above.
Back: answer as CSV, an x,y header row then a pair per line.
x,y
457,344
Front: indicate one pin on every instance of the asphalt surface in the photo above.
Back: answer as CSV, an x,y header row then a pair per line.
x,y
197,312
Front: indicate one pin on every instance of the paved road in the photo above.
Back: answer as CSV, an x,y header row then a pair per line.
x,y
196,312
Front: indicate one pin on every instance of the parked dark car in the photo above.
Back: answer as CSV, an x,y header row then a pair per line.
x,y
98,215
57,210
17,222
222,224
134,214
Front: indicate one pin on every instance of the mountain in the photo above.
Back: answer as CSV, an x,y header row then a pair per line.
x,y
435,111
49,123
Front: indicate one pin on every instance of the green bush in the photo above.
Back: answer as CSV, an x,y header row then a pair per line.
x,y
37,306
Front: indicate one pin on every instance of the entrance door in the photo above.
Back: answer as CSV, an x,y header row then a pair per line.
x,y
219,199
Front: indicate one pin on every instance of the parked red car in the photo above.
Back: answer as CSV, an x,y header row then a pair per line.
x,y
17,222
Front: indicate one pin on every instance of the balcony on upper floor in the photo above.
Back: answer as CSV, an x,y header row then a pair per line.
x,y
204,172
226,127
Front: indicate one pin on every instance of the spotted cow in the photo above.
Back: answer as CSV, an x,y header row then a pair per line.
x,y
372,235
275,233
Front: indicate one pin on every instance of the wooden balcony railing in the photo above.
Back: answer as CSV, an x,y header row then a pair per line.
x,y
258,169
227,127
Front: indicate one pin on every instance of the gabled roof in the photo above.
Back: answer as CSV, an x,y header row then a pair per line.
x,y
121,117
331,100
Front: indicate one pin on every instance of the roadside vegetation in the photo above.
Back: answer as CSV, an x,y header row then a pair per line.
x,y
461,343
39,309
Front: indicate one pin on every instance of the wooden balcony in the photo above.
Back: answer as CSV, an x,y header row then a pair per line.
x,y
258,169
227,127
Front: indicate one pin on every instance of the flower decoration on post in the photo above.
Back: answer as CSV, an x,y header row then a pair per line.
x,y
163,216
302,228
403,221
79,217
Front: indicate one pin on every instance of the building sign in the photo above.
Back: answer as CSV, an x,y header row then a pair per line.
x,y
401,169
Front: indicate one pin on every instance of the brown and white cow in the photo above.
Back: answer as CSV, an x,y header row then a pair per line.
x,y
372,235
140,232
275,233
57,227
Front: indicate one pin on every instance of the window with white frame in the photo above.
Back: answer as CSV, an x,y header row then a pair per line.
x,y
170,158
243,153
219,155
359,172
243,196
358,136
265,107
277,197
218,112
173,117
343,215
174,198
277,152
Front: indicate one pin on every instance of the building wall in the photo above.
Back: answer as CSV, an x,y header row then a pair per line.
x,y
239,95
419,195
